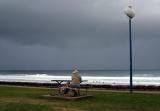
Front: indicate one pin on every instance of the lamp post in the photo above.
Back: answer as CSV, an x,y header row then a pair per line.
x,y
130,13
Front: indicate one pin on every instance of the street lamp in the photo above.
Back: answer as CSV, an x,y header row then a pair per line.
x,y
130,13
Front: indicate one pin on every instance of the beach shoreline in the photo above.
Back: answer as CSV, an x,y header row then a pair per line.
x,y
84,86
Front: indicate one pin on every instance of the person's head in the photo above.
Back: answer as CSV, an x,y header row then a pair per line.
x,y
75,71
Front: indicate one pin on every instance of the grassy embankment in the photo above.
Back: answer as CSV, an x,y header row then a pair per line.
x,y
29,99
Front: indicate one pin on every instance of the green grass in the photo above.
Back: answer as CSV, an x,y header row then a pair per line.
x,y
29,99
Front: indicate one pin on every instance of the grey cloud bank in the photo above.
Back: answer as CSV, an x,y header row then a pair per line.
x,y
90,34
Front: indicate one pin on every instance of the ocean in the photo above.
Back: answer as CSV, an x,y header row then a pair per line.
x,y
107,77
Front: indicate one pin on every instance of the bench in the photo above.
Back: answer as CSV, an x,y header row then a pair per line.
x,y
73,90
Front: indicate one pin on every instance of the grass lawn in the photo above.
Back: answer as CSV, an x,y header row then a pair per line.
x,y
29,99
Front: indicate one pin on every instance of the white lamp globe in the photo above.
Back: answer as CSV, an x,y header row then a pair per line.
x,y
129,12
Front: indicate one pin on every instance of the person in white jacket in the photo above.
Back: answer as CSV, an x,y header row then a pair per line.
x,y
76,79
74,84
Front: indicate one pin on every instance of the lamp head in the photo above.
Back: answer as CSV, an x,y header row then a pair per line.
x,y
129,12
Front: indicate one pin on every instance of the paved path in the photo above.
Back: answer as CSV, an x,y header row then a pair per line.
x,y
100,90
126,91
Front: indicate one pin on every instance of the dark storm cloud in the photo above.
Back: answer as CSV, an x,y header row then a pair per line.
x,y
61,22
92,34
58,23
65,23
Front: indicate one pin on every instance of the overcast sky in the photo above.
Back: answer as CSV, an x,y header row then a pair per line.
x,y
89,34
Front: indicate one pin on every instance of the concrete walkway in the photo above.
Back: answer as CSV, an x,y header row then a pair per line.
x,y
97,90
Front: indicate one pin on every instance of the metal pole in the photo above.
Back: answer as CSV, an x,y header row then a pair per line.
x,y
130,43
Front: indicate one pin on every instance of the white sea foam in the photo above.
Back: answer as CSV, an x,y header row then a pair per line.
x,y
44,78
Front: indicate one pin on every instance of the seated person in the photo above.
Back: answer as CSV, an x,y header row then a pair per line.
x,y
74,84
76,80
